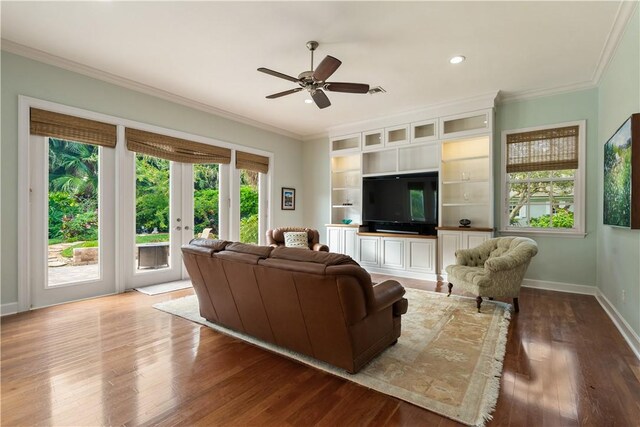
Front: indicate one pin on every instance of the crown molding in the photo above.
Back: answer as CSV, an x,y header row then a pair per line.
x,y
506,98
623,16
56,61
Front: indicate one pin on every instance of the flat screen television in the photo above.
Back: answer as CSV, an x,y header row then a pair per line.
x,y
401,199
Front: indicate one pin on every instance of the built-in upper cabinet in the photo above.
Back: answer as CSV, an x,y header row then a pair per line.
x,y
465,124
397,135
372,139
424,131
346,143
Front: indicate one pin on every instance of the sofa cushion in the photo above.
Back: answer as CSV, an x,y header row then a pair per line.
x,y
260,251
205,246
297,266
326,258
239,257
296,239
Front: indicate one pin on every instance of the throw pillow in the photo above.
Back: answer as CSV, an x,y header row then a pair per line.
x,y
296,239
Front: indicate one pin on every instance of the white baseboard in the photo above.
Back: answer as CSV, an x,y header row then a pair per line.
x,y
559,287
9,308
625,329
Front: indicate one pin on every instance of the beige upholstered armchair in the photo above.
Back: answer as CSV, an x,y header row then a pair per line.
x,y
493,269
275,237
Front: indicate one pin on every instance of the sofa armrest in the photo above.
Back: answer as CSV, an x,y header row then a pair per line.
x,y
385,294
320,247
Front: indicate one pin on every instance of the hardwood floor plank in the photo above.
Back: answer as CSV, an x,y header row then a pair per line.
x,y
117,361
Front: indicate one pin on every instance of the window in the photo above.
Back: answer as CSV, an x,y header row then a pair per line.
x,y
543,176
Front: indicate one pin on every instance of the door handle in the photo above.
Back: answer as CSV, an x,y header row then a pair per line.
x,y
186,227
178,228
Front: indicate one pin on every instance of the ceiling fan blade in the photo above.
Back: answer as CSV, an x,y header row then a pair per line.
x,y
320,98
327,67
277,74
347,87
286,92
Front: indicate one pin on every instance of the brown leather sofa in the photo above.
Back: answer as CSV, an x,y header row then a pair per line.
x,y
275,238
316,303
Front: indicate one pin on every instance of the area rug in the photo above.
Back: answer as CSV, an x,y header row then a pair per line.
x,y
448,359
165,287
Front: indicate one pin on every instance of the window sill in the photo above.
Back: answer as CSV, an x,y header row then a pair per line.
x,y
574,234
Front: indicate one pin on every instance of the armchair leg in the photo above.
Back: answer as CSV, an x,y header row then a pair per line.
x,y
478,302
516,307
450,287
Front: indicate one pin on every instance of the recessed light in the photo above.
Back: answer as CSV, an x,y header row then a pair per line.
x,y
308,101
457,59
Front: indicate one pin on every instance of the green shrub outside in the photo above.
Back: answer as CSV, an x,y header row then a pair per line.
x,y
562,218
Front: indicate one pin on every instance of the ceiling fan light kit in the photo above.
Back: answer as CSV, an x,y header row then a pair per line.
x,y
314,81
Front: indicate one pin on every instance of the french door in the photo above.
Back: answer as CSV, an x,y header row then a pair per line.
x,y
172,203
72,221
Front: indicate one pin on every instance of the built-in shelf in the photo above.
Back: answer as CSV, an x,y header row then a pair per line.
x,y
345,186
466,181
460,159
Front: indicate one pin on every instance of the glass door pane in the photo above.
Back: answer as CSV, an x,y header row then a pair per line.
x,y
249,206
152,213
206,217
73,220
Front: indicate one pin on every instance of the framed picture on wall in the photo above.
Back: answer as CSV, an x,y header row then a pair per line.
x,y
288,199
622,176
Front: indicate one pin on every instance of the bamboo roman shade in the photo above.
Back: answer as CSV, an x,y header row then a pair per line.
x,y
547,149
175,149
252,162
48,123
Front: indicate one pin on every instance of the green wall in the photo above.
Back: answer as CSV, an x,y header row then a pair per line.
x,y
22,76
560,259
619,249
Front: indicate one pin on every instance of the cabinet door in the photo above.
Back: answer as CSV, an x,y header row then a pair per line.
x,y
334,239
392,253
472,239
449,243
368,250
421,255
350,242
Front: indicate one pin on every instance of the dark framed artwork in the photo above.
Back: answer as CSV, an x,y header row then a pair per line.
x,y
621,207
288,199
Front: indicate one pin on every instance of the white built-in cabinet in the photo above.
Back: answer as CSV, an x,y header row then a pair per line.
x,y
458,146
342,239
402,255
451,239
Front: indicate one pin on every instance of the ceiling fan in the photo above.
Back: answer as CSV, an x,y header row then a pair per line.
x,y
315,81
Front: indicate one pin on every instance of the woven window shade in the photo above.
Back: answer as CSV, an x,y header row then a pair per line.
x,y
548,149
56,125
175,149
252,162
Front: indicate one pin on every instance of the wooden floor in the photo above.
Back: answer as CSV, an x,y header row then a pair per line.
x,y
117,361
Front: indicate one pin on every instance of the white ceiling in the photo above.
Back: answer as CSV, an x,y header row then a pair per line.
x,y
209,51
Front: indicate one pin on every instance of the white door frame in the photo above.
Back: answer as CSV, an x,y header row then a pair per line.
x,y
122,180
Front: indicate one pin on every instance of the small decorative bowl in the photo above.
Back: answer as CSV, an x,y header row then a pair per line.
x,y
464,222
347,221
